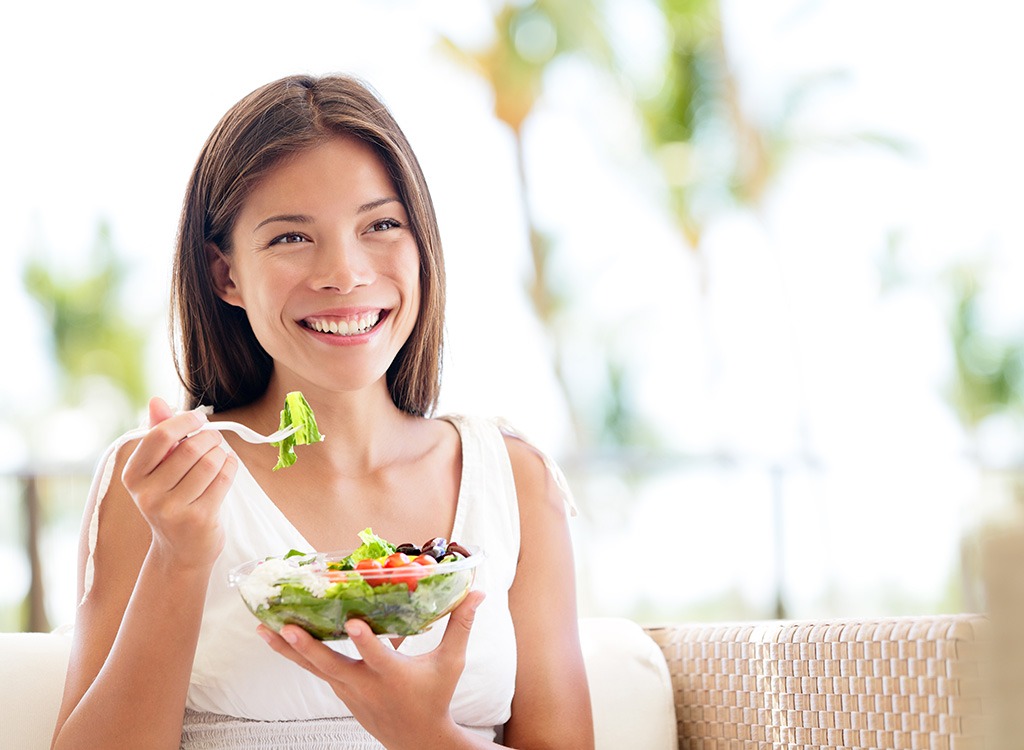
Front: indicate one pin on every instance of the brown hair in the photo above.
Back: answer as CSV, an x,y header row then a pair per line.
x,y
218,359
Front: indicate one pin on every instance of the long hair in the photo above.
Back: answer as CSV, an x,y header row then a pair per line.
x,y
218,359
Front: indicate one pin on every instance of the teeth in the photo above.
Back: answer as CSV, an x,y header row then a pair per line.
x,y
360,324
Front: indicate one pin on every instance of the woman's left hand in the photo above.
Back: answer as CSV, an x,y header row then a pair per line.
x,y
403,701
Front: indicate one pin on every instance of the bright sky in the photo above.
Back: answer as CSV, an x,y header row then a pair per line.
x,y
108,104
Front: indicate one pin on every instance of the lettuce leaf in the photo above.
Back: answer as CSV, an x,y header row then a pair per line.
x,y
296,412
372,547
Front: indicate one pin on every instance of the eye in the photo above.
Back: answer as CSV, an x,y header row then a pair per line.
x,y
384,224
291,238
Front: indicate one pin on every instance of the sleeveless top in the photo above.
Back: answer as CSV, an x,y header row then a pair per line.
x,y
241,692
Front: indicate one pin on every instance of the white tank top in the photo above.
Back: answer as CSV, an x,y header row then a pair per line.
x,y
236,674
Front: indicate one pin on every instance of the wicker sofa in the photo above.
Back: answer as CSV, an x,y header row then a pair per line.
x,y
913,682
882,683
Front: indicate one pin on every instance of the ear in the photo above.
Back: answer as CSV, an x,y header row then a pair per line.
x,y
223,280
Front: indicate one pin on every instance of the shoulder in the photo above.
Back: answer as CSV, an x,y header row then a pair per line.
x,y
536,474
537,470
528,463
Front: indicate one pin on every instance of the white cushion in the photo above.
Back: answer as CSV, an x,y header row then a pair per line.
x,y
629,682
630,686
32,669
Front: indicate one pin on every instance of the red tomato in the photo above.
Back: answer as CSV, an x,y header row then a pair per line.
x,y
425,560
410,576
370,570
397,560
404,571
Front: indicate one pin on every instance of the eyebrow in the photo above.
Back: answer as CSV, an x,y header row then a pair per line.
x,y
304,219
294,218
377,204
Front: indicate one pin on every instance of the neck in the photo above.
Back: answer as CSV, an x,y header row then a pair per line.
x,y
362,429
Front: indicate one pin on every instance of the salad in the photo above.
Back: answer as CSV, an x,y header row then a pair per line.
x,y
297,412
397,590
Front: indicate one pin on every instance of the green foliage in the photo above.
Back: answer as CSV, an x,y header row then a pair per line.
x,y
91,334
988,375
713,152
527,38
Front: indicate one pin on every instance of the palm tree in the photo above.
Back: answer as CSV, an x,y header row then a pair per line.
x,y
988,371
91,336
713,154
526,39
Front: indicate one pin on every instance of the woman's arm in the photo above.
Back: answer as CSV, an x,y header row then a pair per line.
x,y
135,633
551,707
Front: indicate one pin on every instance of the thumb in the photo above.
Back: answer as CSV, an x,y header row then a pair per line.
x,y
456,635
158,411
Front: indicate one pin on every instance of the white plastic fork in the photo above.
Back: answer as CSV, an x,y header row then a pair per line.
x,y
247,434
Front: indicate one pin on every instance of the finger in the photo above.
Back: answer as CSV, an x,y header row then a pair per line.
x,y
369,646
456,635
209,481
161,440
192,510
308,652
284,648
158,477
192,464
158,411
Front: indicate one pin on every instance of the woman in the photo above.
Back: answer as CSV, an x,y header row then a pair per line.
x,y
309,260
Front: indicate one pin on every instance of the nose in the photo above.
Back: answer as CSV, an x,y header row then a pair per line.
x,y
342,265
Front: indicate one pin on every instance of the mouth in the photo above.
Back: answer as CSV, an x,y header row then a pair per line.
x,y
349,325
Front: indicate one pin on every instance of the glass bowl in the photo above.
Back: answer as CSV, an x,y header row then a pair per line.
x,y
305,590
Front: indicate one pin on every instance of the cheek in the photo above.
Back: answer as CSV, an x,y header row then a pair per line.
x,y
411,268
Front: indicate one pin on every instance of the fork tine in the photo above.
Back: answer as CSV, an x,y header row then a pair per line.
x,y
282,434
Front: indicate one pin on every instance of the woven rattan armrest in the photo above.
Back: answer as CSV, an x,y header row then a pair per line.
x,y
911,682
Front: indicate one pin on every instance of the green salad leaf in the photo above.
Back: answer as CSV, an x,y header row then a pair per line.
x,y
297,412
311,597
388,608
372,547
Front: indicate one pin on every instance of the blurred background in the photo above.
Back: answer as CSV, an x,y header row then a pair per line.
x,y
751,270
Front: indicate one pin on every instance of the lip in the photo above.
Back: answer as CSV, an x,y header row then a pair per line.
x,y
348,314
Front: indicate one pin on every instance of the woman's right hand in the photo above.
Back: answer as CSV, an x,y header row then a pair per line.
x,y
178,480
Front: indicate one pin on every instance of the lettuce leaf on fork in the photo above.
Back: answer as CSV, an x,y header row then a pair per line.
x,y
297,412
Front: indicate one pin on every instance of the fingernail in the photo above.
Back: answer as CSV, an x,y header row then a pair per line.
x,y
354,629
289,636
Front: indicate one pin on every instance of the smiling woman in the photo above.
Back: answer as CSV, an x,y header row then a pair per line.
x,y
309,261
283,121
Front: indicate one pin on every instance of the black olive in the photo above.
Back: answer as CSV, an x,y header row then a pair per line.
x,y
437,541
456,548
409,549
435,552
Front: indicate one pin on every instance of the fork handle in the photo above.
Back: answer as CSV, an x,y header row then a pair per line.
x,y
246,433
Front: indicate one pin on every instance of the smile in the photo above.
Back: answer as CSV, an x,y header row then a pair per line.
x,y
351,326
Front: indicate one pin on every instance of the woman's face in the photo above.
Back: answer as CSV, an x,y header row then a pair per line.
x,y
326,266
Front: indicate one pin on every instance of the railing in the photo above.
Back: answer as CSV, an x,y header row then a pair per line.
x,y
36,619
743,525
41,512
